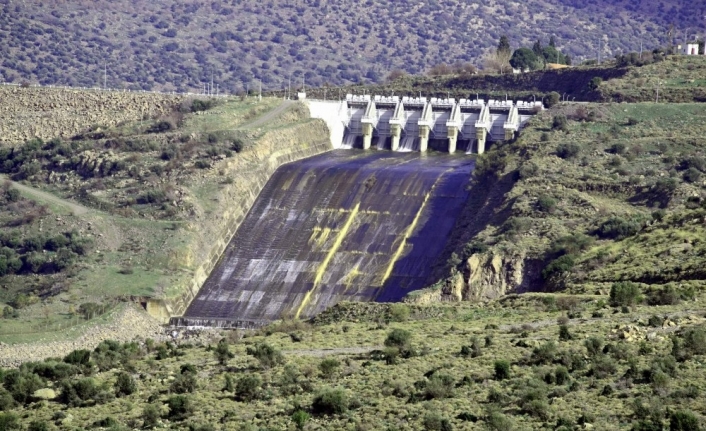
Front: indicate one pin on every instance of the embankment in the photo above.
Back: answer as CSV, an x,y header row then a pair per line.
x,y
248,173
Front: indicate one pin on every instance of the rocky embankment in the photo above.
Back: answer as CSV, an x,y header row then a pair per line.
x,y
129,324
46,113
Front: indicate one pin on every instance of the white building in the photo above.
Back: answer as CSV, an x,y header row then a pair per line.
x,y
689,49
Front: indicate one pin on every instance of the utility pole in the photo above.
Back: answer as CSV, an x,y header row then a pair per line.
x,y
640,48
105,76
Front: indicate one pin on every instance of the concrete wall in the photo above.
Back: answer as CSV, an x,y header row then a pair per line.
x,y
250,171
330,113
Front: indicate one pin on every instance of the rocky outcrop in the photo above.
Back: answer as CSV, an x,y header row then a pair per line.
x,y
485,276
26,113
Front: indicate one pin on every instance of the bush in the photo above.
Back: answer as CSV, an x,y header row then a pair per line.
x,y
619,228
568,150
439,386
624,293
36,426
552,99
185,382
300,418
10,421
180,407
667,295
125,385
237,145
594,346
330,401
544,354
222,352
399,312
558,266
564,333
682,420
150,416
398,338
692,175
502,370
77,392
603,366
160,127
546,203
434,422
328,367
560,123
267,355
248,387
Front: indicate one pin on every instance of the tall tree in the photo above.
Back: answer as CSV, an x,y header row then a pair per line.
x,y
552,42
504,44
537,48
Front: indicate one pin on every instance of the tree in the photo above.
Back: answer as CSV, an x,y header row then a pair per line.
x,y
222,352
125,385
537,48
504,44
552,42
624,293
498,61
523,59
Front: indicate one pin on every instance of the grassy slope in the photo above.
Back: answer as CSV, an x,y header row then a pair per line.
x,y
133,254
383,396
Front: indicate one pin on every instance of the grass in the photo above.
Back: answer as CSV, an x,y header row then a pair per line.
x,y
383,395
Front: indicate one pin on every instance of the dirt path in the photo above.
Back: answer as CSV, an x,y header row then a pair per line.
x,y
269,116
332,351
44,196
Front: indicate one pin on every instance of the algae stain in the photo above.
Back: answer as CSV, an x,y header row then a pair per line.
x,y
329,256
408,233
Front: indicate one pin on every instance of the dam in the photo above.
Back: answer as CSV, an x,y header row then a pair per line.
x,y
352,225
345,225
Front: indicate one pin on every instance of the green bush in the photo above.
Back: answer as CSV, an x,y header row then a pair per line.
x,y
125,385
682,420
185,382
10,421
398,338
399,312
330,401
546,203
267,355
560,123
568,150
180,407
248,387
564,333
618,227
77,392
624,293
222,352
300,418
434,422
328,367
150,416
544,354
501,370
37,425
558,266
21,385
552,99
603,366
692,175
439,386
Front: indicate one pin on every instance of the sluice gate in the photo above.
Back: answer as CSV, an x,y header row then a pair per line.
x,y
346,225
420,123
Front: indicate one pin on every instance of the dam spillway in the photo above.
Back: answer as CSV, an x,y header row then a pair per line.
x,y
346,225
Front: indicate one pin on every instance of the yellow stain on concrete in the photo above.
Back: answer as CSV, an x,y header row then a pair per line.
x,y
329,256
407,233
319,236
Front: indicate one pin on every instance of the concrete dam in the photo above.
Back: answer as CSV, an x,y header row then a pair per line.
x,y
347,225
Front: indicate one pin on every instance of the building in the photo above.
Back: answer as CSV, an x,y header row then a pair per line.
x,y
691,48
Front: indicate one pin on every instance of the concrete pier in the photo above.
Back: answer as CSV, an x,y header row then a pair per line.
x,y
412,124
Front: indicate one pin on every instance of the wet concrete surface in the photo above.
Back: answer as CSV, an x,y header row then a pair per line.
x,y
346,225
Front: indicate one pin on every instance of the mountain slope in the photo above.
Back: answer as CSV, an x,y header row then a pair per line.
x,y
173,45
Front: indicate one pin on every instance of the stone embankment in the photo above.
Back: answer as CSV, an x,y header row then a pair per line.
x,y
46,113
129,324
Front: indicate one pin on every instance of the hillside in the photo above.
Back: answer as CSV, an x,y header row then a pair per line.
x,y
170,45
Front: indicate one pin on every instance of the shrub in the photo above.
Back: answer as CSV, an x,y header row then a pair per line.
x,y
667,295
202,164
603,366
595,83
222,352
328,367
399,312
692,175
544,354
682,420
561,375
150,416
180,407
439,386
330,401
560,123
300,418
558,266
184,382
568,150
398,338
497,421
434,422
75,393
502,370
546,203
528,170
594,346
618,227
10,421
160,127
237,145
248,387
36,426
125,385
564,333
267,355
624,293
552,99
